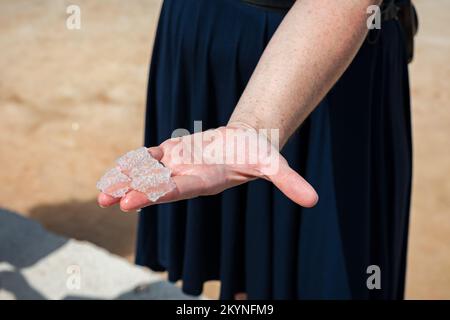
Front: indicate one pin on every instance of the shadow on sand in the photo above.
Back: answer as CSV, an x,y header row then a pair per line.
x,y
85,220
24,243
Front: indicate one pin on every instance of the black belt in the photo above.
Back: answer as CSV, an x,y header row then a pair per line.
x,y
272,4
388,10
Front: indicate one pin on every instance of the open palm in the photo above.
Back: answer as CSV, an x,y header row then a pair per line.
x,y
212,161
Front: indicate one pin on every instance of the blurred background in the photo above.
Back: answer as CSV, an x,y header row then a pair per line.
x,y
71,101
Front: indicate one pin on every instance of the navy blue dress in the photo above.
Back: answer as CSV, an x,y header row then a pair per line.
x,y
355,149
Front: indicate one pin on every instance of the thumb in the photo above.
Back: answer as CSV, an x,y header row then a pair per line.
x,y
293,185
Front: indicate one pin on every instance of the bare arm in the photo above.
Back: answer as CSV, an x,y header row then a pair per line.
x,y
310,50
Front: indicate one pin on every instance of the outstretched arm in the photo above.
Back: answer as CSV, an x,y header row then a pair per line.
x,y
310,50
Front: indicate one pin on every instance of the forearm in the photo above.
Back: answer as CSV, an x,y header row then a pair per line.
x,y
310,50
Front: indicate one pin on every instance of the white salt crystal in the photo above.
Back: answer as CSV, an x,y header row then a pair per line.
x,y
137,170
114,183
152,180
136,158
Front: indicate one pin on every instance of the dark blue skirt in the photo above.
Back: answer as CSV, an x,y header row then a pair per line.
x,y
355,149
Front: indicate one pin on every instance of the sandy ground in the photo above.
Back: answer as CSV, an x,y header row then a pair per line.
x,y
72,100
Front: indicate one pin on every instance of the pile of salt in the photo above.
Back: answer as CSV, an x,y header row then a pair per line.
x,y
137,170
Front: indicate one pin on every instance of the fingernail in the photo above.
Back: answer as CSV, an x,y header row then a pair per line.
x,y
124,210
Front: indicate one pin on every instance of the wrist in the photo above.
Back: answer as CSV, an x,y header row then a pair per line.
x,y
237,124
272,135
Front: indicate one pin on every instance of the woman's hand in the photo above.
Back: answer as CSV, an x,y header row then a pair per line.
x,y
212,161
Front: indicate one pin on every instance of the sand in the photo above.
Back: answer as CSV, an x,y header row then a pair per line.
x,y
72,100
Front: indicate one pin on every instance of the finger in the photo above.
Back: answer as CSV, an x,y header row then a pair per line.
x,y
294,186
105,200
156,152
187,187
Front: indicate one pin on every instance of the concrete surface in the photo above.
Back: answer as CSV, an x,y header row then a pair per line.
x,y
36,264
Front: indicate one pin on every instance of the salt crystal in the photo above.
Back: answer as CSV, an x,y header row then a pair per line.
x,y
135,158
114,183
152,180
137,170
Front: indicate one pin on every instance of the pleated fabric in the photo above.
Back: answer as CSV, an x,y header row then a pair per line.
x,y
355,149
